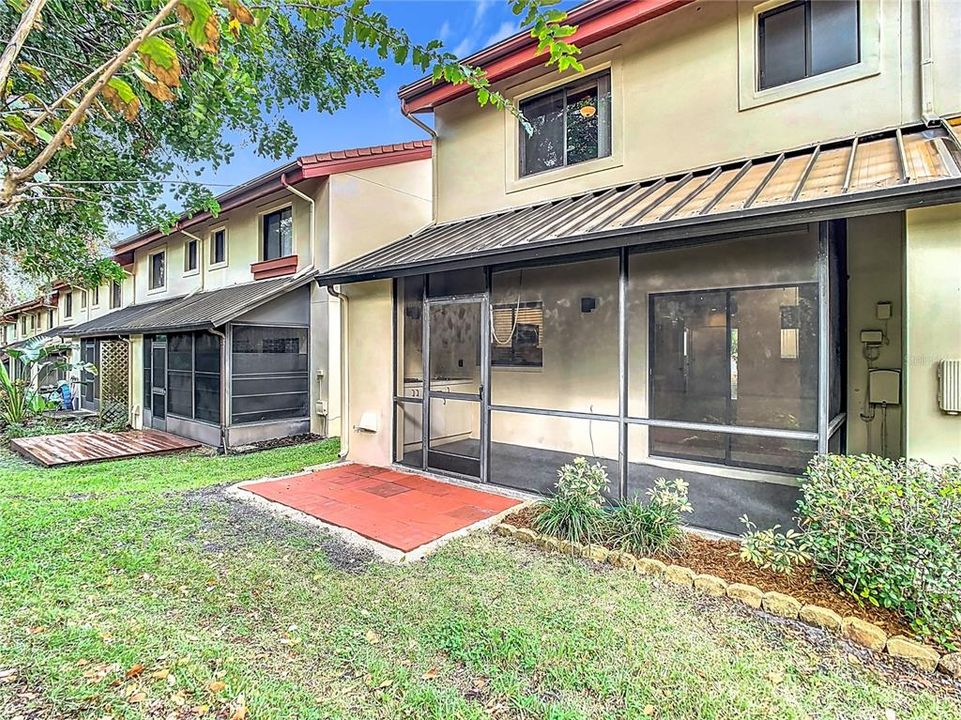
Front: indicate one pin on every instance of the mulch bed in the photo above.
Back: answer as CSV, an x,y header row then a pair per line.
x,y
288,441
720,558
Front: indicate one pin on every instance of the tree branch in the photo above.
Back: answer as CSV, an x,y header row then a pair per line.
x,y
14,45
74,117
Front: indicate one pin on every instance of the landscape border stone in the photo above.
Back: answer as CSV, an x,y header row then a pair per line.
x,y
857,630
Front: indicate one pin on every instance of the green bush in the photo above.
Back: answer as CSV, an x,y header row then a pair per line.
x,y
890,532
645,528
773,550
575,511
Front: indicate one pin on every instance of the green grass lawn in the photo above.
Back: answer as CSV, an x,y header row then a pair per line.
x,y
145,568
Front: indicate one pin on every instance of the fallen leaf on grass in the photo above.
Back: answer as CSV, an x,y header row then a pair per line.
x,y
137,697
776,677
160,674
240,713
372,637
649,710
36,630
216,686
430,674
133,671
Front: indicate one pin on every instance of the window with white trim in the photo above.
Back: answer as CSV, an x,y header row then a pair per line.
x,y
517,335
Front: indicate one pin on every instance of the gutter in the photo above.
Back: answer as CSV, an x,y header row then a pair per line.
x,y
344,369
417,121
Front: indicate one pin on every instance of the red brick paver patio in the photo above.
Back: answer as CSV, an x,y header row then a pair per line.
x,y
400,510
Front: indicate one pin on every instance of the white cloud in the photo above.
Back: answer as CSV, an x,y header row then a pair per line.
x,y
506,29
480,11
444,31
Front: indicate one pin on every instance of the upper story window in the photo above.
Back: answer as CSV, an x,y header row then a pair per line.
x,y
96,296
278,234
218,247
190,256
83,299
23,324
157,267
50,318
571,125
804,38
116,295
68,305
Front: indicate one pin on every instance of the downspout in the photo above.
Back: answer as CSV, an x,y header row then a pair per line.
x,y
344,384
417,121
200,257
224,384
310,201
928,112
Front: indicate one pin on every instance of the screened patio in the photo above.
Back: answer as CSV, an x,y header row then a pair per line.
x,y
715,362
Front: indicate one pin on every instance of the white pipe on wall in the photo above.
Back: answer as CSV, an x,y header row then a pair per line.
x,y
344,366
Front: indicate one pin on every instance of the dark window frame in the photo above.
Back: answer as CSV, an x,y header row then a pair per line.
x,y
218,255
808,28
579,84
153,283
191,258
192,374
68,304
116,294
264,220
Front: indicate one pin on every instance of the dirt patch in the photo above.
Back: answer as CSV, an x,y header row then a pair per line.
x,y
275,443
720,557
246,525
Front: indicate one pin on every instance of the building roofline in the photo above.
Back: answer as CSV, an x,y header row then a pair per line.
x,y
595,21
306,167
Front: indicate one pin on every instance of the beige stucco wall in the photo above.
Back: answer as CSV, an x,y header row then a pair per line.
x,y
676,106
933,321
376,206
369,346
875,274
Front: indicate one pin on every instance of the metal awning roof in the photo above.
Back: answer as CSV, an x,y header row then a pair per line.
x,y
876,172
51,333
198,311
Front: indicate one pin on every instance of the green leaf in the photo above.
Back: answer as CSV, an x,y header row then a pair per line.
x,y
161,60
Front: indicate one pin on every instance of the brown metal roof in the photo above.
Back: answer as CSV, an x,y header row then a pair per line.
x,y
893,164
190,312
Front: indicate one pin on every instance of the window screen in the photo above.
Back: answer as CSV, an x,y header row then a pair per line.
x,y
193,376
806,38
270,373
745,357
147,356
278,234
180,351
570,125
517,335
90,353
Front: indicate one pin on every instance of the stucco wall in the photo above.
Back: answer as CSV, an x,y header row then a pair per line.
x,y
933,322
369,347
376,206
875,274
676,106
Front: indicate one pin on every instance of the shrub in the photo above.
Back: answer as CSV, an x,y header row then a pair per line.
x,y
651,527
575,511
773,550
890,532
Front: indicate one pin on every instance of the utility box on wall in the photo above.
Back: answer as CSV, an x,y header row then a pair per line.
x,y
949,386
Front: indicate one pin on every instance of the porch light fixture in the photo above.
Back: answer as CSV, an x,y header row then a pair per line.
x,y
588,111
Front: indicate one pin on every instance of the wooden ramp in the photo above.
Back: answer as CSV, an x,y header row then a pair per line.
x,y
81,447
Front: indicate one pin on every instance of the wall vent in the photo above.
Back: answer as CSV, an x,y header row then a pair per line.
x,y
949,386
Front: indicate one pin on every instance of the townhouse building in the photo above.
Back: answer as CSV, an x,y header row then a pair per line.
x,y
218,331
733,242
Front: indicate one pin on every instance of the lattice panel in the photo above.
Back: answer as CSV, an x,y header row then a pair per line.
x,y
114,381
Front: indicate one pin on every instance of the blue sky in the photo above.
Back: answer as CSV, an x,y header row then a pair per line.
x,y
463,25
